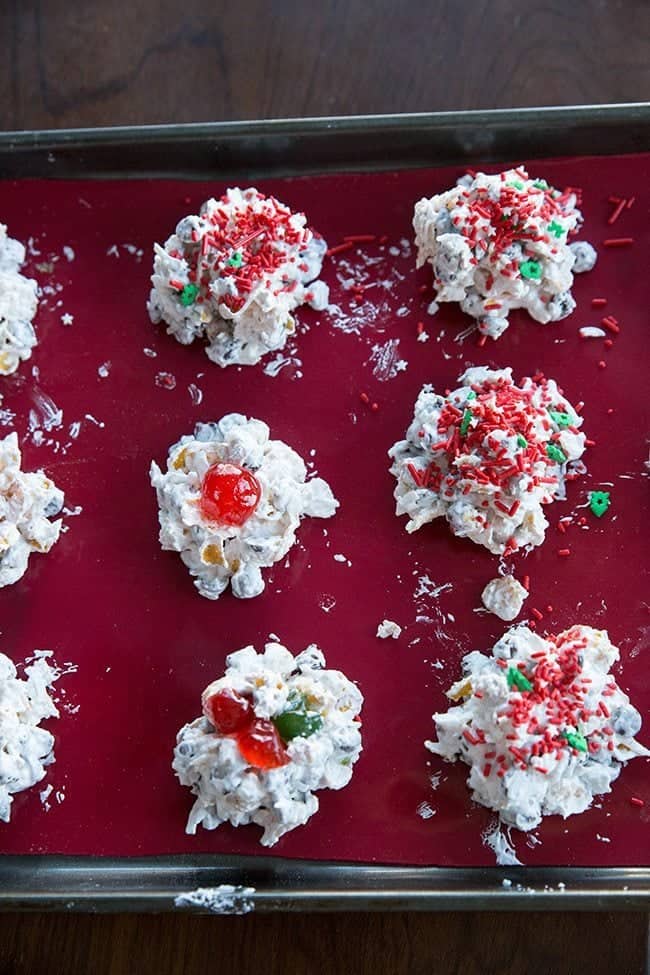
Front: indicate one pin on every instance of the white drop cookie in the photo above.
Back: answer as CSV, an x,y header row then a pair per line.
x,y
541,723
27,503
25,748
274,730
235,273
504,597
501,242
231,501
487,457
18,304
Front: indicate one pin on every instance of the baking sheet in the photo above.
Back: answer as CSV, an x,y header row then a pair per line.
x,y
126,613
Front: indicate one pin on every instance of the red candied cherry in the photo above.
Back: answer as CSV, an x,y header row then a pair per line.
x,y
228,711
229,494
261,745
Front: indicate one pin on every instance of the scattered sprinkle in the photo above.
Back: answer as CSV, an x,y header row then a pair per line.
x,y
165,380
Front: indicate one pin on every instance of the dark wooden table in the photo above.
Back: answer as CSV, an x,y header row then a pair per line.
x,y
98,63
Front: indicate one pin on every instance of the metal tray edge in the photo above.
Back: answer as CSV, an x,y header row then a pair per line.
x,y
102,884
295,147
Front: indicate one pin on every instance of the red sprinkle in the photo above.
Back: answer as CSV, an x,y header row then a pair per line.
x,y
618,241
526,583
537,614
360,238
635,801
374,407
630,202
364,398
602,364
620,206
598,302
339,248
611,325
608,343
564,551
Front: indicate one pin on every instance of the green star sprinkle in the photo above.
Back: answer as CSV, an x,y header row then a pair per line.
x,y
555,453
599,502
522,442
471,395
562,419
518,185
556,228
516,679
467,419
531,270
235,259
189,295
576,740
541,184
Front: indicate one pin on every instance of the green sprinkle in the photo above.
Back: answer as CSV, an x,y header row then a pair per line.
x,y
235,259
541,184
471,395
522,442
189,295
346,761
517,679
555,453
531,269
556,228
467,419
562,419
576,740
518,185
599,502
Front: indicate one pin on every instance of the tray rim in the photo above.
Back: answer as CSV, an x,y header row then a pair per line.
x,y
619,112
112,884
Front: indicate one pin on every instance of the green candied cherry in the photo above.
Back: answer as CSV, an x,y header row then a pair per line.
x,y
296,721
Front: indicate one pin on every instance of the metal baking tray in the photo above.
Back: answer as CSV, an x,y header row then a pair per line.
x,y
269,149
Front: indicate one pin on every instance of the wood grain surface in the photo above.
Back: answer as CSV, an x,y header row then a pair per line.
x,y
326,944
93,63
96,63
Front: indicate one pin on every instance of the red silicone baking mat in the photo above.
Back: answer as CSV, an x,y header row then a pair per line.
x,y
126,613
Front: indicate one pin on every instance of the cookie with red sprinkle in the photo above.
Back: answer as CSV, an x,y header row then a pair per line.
x,y
488,457
498,242
541,722
234,273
